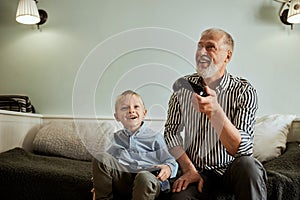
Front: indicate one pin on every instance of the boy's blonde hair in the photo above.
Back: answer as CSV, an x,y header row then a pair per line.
x,y
128,92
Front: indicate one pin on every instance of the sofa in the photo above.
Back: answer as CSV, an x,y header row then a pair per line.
x,y
56,163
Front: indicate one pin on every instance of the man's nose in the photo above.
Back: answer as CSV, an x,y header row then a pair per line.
x,y
202,50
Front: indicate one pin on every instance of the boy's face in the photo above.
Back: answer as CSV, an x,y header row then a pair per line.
x,y
130,111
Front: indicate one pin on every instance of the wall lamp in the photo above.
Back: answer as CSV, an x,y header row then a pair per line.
x,y
290,12
28,13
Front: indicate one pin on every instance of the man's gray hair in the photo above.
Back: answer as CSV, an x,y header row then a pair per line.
x,y
228,40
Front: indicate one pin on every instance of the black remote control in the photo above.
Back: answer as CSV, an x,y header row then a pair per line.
x,y
197,88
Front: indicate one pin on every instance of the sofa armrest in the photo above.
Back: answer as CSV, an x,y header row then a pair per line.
x,y
294,134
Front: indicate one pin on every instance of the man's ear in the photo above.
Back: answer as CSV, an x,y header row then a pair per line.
x,y
229,56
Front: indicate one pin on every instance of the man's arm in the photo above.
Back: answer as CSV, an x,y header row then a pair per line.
x,y
190,173
236,140
174,142
228,133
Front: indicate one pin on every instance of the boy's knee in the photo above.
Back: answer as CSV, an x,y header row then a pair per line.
x,y
147,179
102,157
104,162
145,176
146,186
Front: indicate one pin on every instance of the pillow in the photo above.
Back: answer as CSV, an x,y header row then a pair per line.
x,y
270,136
76,140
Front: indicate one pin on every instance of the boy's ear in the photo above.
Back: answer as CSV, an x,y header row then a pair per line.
x,y
145,113
116,117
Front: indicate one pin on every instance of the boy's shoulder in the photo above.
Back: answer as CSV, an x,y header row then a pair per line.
x,y
147,131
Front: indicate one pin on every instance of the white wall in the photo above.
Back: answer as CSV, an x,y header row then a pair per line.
x,y
89,51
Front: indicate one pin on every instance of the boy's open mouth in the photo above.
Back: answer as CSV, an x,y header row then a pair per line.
x,y
133,117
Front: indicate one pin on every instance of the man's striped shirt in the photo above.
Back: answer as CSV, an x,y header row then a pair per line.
x,y
238,99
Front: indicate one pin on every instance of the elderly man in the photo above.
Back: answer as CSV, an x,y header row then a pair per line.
x,y
216,111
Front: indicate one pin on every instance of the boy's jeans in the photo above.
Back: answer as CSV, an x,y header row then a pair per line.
x,y
111,179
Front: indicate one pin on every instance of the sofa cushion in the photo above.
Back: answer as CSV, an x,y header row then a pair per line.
x,y
77,140
270,136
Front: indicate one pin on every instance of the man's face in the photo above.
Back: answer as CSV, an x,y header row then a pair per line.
x,y
211,55
130,111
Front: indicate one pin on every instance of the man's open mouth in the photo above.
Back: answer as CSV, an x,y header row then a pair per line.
x,y
204,59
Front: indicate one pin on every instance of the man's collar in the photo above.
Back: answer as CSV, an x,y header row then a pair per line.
x,y
224,82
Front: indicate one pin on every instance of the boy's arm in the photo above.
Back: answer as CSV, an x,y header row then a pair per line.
x,y
167,160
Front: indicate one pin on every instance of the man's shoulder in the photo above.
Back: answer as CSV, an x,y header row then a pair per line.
x,y
186,82
193,76
189,77
240,81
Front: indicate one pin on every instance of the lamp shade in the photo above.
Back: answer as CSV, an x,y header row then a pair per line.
x,y
27,12
294,12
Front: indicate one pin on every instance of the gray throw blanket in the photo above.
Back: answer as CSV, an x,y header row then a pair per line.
x,y
24,175
284,174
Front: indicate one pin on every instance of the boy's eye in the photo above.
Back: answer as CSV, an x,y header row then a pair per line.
x,y
123,108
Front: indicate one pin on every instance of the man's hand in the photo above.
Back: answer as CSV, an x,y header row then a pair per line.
x,y
207,105
188,177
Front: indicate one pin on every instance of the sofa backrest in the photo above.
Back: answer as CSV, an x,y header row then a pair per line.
x,y
18,129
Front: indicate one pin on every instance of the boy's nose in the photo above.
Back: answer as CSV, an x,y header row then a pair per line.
x,y
130,110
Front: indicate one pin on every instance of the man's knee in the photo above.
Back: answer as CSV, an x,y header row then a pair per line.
x,y
191,193
248,167
248,178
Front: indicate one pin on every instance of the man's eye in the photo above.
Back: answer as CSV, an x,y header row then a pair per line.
x,y
207,47
123,108
200,46
210,47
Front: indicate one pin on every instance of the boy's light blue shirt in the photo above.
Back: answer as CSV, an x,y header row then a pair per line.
x,y
142,149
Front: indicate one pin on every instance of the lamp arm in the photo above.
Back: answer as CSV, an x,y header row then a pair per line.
x,y
282,7
283,1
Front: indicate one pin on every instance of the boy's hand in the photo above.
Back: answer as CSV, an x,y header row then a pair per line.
x,y
94,195
165,172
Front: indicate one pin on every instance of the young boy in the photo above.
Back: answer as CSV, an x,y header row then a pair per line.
x,y
137,165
